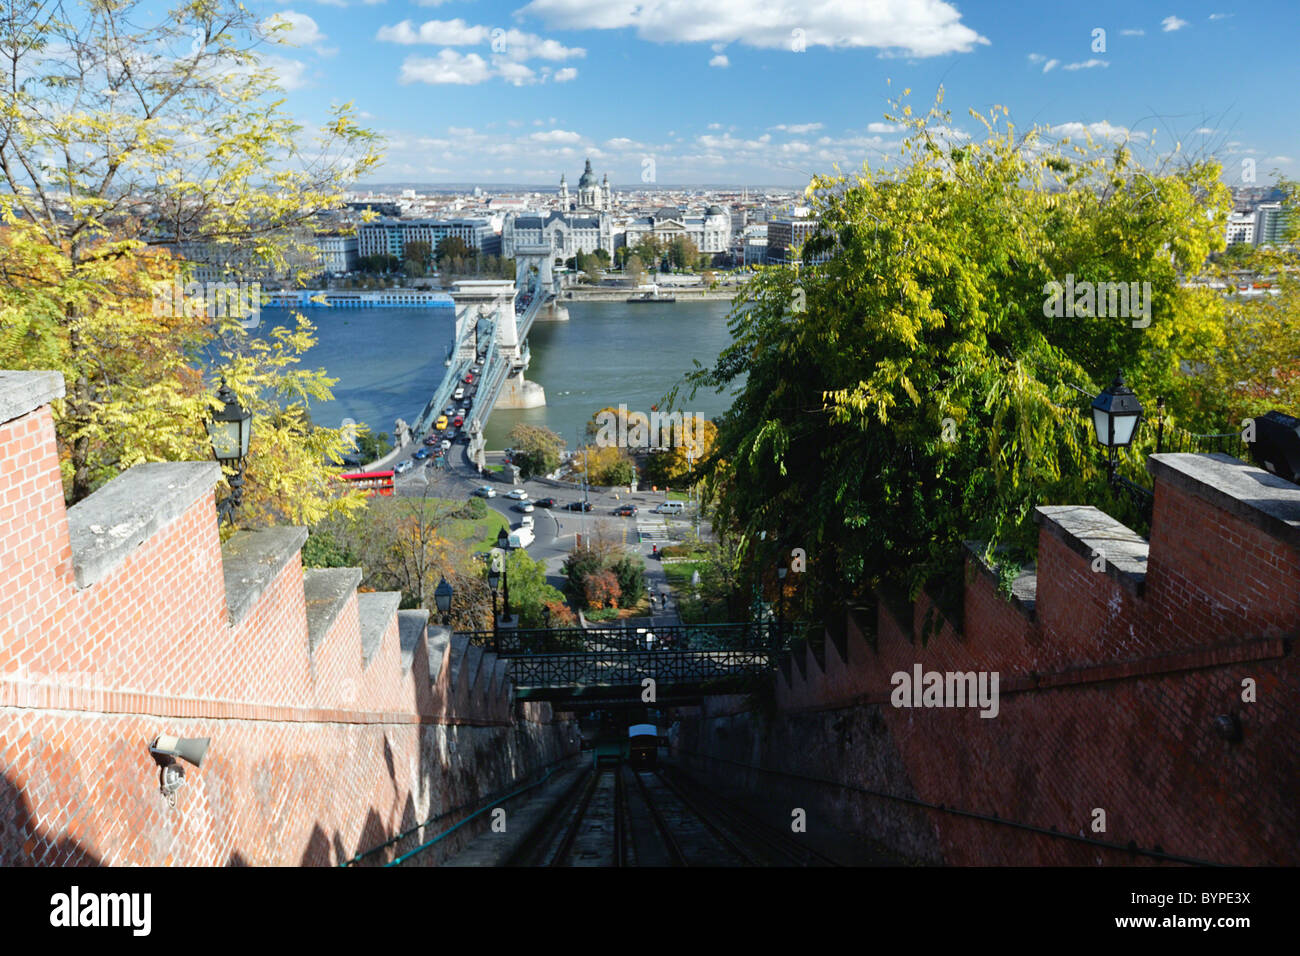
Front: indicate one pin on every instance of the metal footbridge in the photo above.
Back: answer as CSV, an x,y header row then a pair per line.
x,y
607,664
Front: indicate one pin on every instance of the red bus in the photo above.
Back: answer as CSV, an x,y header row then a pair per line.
x,y
376,482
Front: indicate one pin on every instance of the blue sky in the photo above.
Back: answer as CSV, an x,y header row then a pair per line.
x,y
771,91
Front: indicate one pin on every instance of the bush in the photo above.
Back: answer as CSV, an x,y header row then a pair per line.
x,y
323,550
474,509
631,579
618,472
601,590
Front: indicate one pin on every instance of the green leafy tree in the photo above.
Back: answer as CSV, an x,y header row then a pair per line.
x,y
537,449
634,269
418,251
529,592
630,573
452,247
915,390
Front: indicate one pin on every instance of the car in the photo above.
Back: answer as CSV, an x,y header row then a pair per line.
x,y
441,423
422,454
518,494
458,420
403,467
583,506
474,369
545,503
449,410
458,394
525,507
431,440
486,491
469,378
446,443
626,511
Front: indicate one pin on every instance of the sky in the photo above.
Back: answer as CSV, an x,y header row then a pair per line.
x,y
770,92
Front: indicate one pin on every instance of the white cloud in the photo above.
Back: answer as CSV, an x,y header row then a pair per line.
x,y
437,32
1280,160
1205,130
1220,16
1132,33
1036,58
1098,131
1085,65
882,128
514,44
720,61
447,67
566,74
295,29
798,129
556,136
917,27
1170,24
1051,65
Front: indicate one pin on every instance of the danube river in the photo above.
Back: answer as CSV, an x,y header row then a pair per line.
x,y
389,361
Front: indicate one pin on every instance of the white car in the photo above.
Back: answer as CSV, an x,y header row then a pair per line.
x,y
458,394
486,491
526,507
446,444
518,494
403,467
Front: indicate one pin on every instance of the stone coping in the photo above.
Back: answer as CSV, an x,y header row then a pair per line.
x,y
111,523
1091,533
374,610
326,591
1245,491
254,559
24,392
411,625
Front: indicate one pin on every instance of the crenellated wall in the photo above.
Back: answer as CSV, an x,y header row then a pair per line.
x,y
1115,656
336,720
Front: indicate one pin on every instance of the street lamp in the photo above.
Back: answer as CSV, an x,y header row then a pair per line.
x,y
503,543
1115,415
781,572
442,598
494,582
229,431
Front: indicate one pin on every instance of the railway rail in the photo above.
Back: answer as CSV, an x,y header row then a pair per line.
x,y
623,816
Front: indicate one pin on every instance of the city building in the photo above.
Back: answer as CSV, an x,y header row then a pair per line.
x,y
1271,221
391,236
338,252
1241,227
591,196
567,235
787,233
710,230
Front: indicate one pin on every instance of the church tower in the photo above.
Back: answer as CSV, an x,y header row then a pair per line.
x,y
564,193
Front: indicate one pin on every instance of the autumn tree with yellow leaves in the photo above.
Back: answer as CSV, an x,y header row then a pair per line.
x,y
129,136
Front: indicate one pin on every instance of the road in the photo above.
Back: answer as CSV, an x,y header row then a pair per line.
x,y
556,528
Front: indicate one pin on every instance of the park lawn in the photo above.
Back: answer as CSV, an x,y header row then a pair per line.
x,y
679,575
678,496
488,528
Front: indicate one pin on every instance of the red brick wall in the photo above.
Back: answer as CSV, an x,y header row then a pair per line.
x,y
1107,700
312,757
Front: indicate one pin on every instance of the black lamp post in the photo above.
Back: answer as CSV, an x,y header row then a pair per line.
x,y
1115,415
229,430
781,572
503,542
494,582
442,597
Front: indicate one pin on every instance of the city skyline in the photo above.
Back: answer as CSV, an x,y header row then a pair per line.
x,y
510,94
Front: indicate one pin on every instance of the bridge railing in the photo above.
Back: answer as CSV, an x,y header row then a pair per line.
x,y
630,668
764,637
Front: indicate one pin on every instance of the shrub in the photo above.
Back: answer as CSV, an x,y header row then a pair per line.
x,y
601,590
631,579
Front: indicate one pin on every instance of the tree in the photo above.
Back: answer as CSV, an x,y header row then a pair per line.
x,y
186,142
682,252
418,251
373,446
529,592
536,449
601,590
591,270
634,269
630,574
649,250
452,247
915,391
